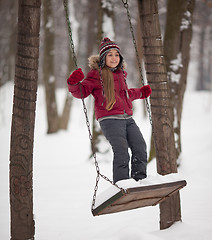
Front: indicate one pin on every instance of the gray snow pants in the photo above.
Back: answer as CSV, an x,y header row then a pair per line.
x,y
123,134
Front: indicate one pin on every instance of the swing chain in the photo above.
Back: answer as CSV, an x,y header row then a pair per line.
x,y
126,5
95,158
70,33
134,39
86,114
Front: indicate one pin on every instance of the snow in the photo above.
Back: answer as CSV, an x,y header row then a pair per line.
x,y
131,183
107,4
51,79
64,178
49,23
186,21
107,26
74,23
175,65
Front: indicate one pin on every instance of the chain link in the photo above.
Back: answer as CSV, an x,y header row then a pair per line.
x,y
94,156
70,33
82,97
125,3
86,115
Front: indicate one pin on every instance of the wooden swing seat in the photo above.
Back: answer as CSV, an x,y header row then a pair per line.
x,y
137,197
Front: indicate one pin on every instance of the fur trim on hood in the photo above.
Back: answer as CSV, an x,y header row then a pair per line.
x,y
93,62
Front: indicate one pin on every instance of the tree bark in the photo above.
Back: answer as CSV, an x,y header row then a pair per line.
x,y
177,40
8,32
65,117
104,9
23,120
48,68
161,107
201,78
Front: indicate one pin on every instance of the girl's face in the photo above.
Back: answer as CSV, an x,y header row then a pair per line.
x,y
112,58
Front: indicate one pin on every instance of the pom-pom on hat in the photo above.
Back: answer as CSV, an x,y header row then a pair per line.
x,y
105,46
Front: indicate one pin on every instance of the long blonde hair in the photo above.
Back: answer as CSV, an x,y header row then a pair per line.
x,y
108,85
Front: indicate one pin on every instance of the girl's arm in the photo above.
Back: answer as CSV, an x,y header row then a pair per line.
x,y
139,93
79,88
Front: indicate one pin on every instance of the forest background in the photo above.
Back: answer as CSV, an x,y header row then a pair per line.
x,y
53,30
90,22
86,41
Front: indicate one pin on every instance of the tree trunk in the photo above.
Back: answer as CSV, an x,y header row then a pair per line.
x,y
162,116
177,40
94,15
12,45
201,77
48,68
152,153
99,23
8,32
64,118
105,10
210,70
23,120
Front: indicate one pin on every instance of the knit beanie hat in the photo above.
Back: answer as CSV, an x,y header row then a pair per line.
x,y
105,46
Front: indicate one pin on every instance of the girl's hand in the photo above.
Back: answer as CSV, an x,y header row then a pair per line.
x,y
145,91
75,77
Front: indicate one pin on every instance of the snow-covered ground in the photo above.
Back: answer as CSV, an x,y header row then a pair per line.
x,y
64,178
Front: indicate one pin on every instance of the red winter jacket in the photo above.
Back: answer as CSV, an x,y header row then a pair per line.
x,y
92,85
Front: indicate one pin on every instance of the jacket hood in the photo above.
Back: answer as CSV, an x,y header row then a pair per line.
x,y
93,62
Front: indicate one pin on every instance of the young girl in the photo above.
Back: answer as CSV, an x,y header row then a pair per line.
x,y
106,81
